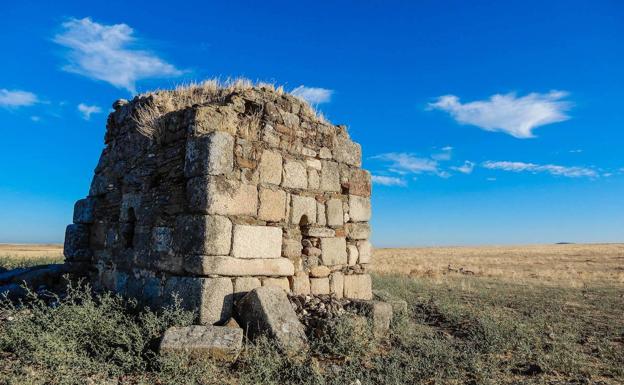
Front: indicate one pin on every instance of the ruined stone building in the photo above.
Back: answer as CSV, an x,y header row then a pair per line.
x,y
210,198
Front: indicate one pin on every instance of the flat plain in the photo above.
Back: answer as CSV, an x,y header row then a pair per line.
x,y
541,314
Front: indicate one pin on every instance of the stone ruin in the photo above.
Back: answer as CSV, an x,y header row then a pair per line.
x,y
248,187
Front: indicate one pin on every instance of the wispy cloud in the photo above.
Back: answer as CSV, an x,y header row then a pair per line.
x,y
35,118
571,172
313,95
406,163
104,52
466,168
388,180
16,98
87,111
445,154
516,116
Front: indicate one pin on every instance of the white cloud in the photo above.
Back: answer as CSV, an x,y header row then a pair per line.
x,y
491,179
16,98
444,155
86,110
516,116
35,118
575,151
466,168
313,95
571,172
102,52
388,180
404,163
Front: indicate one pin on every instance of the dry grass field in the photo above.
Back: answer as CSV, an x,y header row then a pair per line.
x,y
548,314
560,265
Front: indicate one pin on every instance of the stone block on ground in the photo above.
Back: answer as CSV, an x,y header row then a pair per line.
x,y
217,342
380,313
399,306
267,310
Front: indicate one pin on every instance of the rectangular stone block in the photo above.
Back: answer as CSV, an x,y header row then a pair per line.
x,y
258,242
347,151
360,183
272,205
235,267
358,286
203,234
365,251
211,154
359,209
352,255
243,285
211,298
302,207
216,342
336,284
335,215
319,232
300,283
83,211
357,230
319,286
334,251
282,283
330,176
321,218
313,180
270,167
295,174
219,195
76,245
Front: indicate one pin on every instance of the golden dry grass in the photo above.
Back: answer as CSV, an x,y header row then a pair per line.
x,y
566,265
28,251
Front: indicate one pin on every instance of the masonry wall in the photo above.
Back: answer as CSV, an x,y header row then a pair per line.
x,y
253,189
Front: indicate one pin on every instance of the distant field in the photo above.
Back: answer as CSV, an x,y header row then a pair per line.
x,y
567,265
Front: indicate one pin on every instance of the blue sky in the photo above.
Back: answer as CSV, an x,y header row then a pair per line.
x,y
482,122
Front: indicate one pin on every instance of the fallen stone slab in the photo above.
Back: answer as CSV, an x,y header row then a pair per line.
x,y
380,313
267,310
218,342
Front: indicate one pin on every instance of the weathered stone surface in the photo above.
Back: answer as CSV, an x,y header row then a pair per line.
x,y
216,195
300,283
83,211
330,176
272,205
211,298
295,175
334,251
319,286
212,118
358,286
321,218
76,245
267,310
270,167
313,180
314,164
347,151
282,283
335,215
291,248
336,284
302,207
360,183
217,342
259,242
325,153
352,255
357,230
203,234
319,232
212,154
243,285
379,312
216,301
320,271
365,251
232,267
359,208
